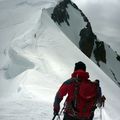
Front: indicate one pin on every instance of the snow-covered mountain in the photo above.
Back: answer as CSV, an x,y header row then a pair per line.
x,y
36,57
77,27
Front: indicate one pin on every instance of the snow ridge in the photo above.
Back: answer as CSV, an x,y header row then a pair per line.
x,y
39,60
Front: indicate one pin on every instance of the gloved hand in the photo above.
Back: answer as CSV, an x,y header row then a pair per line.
x,y
101,101
103,98
56,110
55,113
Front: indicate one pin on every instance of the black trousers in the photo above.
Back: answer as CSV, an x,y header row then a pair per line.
x,y
67,117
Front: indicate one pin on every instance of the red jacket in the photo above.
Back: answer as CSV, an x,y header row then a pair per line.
x,y
67,88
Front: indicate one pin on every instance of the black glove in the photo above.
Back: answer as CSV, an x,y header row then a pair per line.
x,y
103,98
55,113
56,109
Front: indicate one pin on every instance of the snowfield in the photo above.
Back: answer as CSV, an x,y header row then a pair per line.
x,y
36,57
25,110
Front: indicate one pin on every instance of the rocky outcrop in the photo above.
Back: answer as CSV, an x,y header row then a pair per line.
x,y
87,37
115,79
100,52
118,57
73,22
86,43
60,13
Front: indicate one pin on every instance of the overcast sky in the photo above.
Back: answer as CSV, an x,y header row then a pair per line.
x,y
105,19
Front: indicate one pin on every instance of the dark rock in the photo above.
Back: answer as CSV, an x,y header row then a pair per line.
x,y
60,13
100,52
118,57
86,43
116,81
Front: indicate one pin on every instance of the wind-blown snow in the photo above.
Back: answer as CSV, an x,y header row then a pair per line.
x,y
36,58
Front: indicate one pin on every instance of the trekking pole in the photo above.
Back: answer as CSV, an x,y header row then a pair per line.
x,y
58,117
54,117
100,113
60,114
61,111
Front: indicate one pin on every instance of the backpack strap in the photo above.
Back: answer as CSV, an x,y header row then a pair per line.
x,y
76,92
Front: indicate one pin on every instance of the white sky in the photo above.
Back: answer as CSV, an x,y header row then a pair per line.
x,y
104,18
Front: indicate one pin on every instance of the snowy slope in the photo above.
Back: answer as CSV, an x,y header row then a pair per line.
x,y
77,27
38,61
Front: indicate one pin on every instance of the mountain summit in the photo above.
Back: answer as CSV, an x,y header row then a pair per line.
x,y
73,22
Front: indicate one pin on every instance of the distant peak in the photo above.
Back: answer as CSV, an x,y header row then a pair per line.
x,y
60,13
